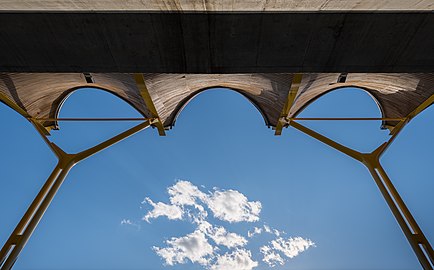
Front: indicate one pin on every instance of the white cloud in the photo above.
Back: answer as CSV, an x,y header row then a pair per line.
x,y
222,237
240,259
255,231
229,205
290,248
126,221
277,232
269,230
187,202
185,193
271,257
293,246
233,206
162,209
193,247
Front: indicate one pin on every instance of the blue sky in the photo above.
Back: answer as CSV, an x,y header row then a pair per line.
x,y
305,188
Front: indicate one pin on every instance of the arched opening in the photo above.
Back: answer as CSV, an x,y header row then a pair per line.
x,y
91,103
348,102
58,104
181,105
370,93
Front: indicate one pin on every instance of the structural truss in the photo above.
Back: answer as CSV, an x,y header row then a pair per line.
x,y
160,98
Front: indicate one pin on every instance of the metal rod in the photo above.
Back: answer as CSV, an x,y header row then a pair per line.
x,y
95,119
346,150
90,119
344,119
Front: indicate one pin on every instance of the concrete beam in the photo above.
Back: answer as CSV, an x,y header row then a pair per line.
x,y
155,42
216,5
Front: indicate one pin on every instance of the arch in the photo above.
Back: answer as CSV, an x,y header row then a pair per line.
x,y
42,94
184,102
58,103
338,88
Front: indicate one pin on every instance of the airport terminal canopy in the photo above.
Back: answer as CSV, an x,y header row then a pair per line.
x,y
41,95
184,47
157,55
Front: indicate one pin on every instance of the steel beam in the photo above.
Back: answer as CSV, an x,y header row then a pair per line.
x,y
6,100
416,238
141,84
28,223
293,90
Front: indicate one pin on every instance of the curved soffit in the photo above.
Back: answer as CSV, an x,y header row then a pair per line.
x,y
171,92
42,94
397,94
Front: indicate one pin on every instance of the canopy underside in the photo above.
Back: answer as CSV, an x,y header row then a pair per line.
x,y
41,95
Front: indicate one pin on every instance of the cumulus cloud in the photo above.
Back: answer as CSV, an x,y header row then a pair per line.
x,y
271,257
185,193
221,236
193,247
233,206
211,245
255,231
240,259
290,247
162,209
227,205
264,228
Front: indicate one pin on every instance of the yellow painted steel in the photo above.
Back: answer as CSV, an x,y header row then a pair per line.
x,y
416,238
421,107
6,100
428,102
22,232
141,84
19,237
293,90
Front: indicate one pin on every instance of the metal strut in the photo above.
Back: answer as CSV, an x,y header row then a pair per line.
x,y
408,224
21,234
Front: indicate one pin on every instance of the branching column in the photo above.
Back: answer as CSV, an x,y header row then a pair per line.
x,y
21,234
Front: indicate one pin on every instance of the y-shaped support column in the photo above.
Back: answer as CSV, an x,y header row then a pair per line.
x,y
19,237
411,229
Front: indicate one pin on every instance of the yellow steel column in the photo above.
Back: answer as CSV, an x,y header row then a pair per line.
x,y
406,221
141,84
408,224
21,234
293,90
16,234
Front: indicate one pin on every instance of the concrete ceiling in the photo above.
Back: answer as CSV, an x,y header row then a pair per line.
x,y
217,5
158,42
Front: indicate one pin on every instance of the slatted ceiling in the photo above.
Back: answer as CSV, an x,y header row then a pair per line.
x,y
41,94
38,93
171,92
123,85
397,94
